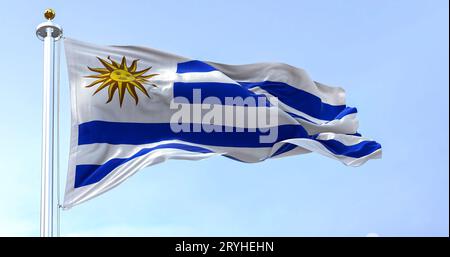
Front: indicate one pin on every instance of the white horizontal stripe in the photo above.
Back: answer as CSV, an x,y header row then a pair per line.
x,y
346,125
211,76
347,140
101,153
316,146
77,195
231,116
295,151
285,73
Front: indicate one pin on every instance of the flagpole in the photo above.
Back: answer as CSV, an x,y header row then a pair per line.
x,y
48,32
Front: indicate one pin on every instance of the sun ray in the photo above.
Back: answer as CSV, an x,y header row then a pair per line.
x,y
111,90
140,87
103,85
96,82
121,87
123,64
120,78
133,66
98,76
107,65
140,79
139,73
114,63
99,70
132,92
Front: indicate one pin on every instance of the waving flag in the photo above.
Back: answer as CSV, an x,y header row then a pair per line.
x,y
133,107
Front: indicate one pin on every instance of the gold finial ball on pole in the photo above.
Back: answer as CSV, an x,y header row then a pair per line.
x,y
49,14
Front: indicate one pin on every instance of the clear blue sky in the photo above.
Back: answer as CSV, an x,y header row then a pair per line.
x,y
391,57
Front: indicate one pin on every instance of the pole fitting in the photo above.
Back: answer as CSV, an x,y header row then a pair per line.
x,y
56,30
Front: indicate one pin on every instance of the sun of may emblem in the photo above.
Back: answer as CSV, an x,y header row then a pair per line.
x,y
120,78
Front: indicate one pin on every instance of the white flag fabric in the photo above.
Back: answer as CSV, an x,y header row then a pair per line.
x,y
133,107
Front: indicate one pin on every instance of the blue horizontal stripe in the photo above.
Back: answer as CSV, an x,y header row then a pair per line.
x,y
194,66
300,100
220,91
308,103
345,112
145,133
356,151
294,97
89,174
300,117
284,148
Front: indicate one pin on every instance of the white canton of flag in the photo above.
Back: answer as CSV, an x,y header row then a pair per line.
x,y
133,107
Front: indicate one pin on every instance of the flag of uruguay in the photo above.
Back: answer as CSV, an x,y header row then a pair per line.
x,y
133,107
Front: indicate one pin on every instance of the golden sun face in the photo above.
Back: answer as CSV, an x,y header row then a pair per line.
x,y
121,78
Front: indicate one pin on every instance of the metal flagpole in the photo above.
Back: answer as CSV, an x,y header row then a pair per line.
x,y
49,33
57,153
